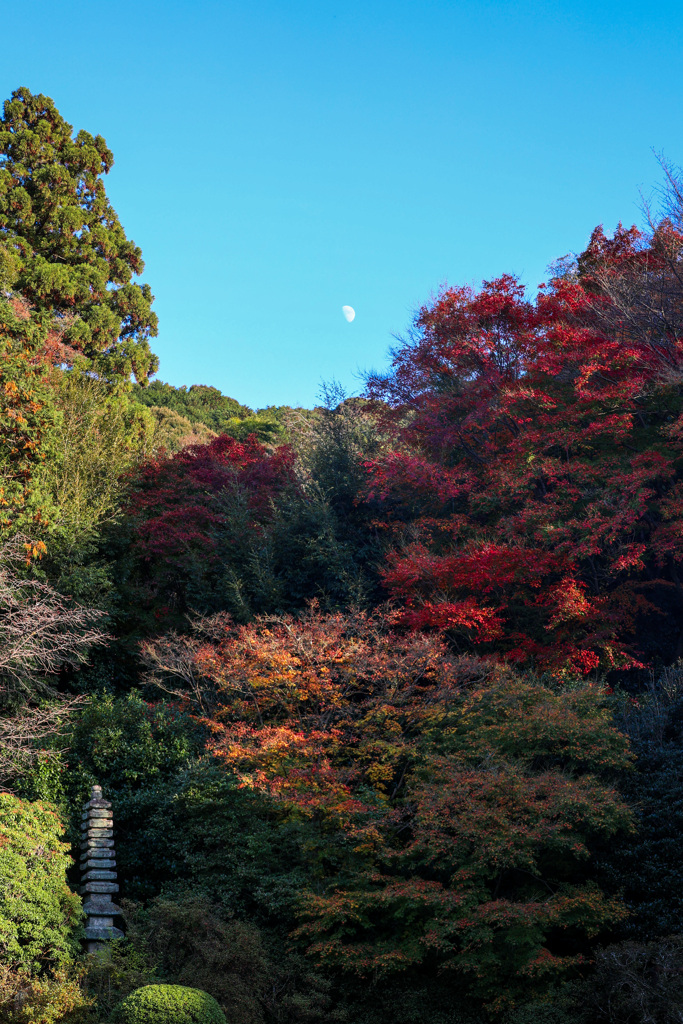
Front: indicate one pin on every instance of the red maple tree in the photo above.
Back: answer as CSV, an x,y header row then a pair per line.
x,y
535,487
191,513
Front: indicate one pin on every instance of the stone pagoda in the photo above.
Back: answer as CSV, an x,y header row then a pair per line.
x,y
98,867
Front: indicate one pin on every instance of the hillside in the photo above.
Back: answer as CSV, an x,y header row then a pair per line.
x,y
386,695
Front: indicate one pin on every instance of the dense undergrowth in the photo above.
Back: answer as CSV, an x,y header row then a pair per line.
x,y
386,695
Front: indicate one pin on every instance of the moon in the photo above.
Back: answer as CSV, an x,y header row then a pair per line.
x,y
349,313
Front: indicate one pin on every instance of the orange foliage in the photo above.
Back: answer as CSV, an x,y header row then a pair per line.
x,y
450,803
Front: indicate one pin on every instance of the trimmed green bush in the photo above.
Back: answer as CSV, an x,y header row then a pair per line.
x,y
168,1004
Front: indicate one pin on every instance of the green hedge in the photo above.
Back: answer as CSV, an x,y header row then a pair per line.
x,y
168,1004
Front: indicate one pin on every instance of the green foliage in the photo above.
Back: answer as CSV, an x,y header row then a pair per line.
x,y
209,833
10,265
168,1004
134,750
38,911
303,553
202,412
75,261
42,778
54,998
198,403
183,821
542,1013
646,869
228,869
24,404
334,445
192,943
173,431
254,973
95,438
119,968
341,436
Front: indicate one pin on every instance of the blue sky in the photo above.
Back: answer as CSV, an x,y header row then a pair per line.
x,y
277,159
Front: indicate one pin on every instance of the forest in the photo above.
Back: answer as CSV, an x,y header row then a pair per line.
x,y
386,695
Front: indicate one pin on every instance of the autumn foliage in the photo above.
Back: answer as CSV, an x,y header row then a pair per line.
x,y
534,488
450,802
390,714
193,515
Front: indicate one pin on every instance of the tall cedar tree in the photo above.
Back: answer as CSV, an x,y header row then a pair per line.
x,y
75,260
535,482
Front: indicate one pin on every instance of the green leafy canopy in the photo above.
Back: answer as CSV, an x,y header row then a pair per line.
x,y
75,260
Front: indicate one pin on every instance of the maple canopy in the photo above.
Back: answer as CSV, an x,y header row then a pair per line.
x,y
75,260
451,802
195,517
534,485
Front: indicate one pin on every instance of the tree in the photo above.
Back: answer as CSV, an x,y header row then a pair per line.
x,y
136,751
95,439
449,805
202,412
75,261
198,403
38,912
25,412
534,488
645,868
39,917
231,526
41,632
214,851
194,518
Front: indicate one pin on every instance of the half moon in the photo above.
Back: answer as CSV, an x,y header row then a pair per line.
x,y
349,313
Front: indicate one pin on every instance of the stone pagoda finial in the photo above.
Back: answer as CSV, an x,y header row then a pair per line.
x,y
98,865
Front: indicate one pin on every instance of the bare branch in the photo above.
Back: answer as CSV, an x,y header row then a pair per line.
x,y
21,735
40,632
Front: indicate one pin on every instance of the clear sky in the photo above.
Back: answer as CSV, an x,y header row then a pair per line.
x,y
277,159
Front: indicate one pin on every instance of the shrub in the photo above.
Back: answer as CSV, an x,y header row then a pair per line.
x,y
38,911
168,1004
51,999
119,968
188,938
134,751
192,943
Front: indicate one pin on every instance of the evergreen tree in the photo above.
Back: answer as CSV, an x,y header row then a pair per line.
x,y
75,260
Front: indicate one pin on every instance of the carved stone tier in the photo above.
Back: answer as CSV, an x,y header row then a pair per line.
x,y
98,867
